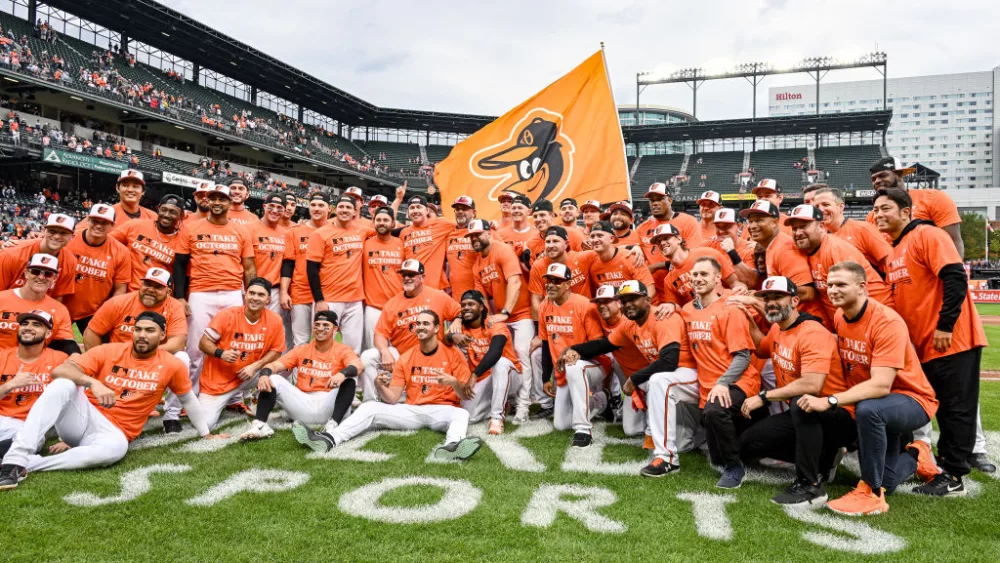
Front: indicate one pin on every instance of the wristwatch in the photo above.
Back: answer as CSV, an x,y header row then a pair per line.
x,y
504,312
834,403
763,397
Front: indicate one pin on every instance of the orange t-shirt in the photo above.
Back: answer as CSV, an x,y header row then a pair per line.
x,y
916,261
14,261
418,374
782,258
518,240
707,231
12,305
217,253
537,244
641,344
685,224
492,272
243,217
716,333
429,244
479,344
878,338
616,271
745,248
98,270
121,217
190,217
138,384
461,260
149,248
315,368
833,250
574,322
296,245
268,250
381,265
340,253
808,347
930,205
399,313
230,330
867,239
579,267
18,402
116,317
677,283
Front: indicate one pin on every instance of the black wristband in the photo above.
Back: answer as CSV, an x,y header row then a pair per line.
x,y
763,397
217,353
264,372
734,256
536,328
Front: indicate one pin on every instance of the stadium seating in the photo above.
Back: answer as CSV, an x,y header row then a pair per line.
x,y
400,157
714,171
437,153
654,168
777,164
847,167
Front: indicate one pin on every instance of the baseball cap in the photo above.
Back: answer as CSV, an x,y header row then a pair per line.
x,y
663,231
355,192
172,199
478,226
220,189
44,261
325,198
378,201
761,208
274,198
623,205
261,282
157,318
767,184
556,230
386,211
204,187
347,199
558,271
60,221
235,180
464,201
806,213
892,164
604,293
603,226
522,199
591,204
131,174
38,315
505,195
101,211
725,215
417,200
632,287
709,196
567,201
779,284
475,295
542,205
328,316
158,275
290,198
411,266
657,188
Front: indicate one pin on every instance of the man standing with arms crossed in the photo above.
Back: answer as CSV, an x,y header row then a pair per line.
x,y
295,295
153,243
383,254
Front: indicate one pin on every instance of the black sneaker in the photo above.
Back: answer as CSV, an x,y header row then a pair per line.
x,y
171,426
942,485
982,463
801,493
319,442
547,412
10,476
658,468
5,447
582,440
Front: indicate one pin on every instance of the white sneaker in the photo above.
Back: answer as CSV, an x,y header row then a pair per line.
x,y
521,416
496,426
331,425
258,431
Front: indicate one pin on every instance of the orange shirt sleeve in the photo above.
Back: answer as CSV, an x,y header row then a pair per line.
x,y
219,324
290,245
316,247
449,309
176,319
247,244
383,325
937,249
460,370
535,285
62,324
276,336
103,320
737,331
65,283
91,361
542,311
819,345
941,208
291,358
889,341
180,381
764,350
673,330
120,233
794,266
592,324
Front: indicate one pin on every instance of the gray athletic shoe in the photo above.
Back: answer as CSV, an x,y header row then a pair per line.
x,y
319,442
461,450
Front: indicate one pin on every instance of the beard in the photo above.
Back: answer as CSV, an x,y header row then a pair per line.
x,y
25,341
778,316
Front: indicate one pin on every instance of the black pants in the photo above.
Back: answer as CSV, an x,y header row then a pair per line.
x,y
955,380
82,324
809,440
723,427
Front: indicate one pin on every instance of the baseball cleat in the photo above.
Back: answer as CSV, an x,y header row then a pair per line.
x,y
582,440
319,442
659,468
258,431
11,475
732,477
862,501
496,426
545,412
943,485
983,464
461,450
171,426
801,493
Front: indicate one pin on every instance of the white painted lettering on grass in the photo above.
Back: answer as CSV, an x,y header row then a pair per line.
x,y
460,498
134,484
710,518
862,538
511,453
352,449
251,481
590,460
576,501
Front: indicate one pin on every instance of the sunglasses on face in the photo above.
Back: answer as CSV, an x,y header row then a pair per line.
x,y
38,272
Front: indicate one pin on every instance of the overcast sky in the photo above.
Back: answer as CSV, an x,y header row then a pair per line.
x,y
484,58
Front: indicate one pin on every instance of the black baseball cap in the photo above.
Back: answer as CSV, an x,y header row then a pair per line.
x,y
568,201
542,205
386,211
262,282
522,199
347,199
891,164
157,318
475,295
234,179
274,198
172,199
604,226
417,200
324,197
326,316
557,231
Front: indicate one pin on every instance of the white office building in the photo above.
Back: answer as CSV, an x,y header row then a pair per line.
x,y
944,122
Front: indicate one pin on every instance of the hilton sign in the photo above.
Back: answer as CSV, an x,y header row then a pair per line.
x,y
788,96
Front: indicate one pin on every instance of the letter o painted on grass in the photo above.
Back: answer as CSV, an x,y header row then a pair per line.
x,y
460,498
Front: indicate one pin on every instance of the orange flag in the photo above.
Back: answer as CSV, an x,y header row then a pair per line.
x,y
565,141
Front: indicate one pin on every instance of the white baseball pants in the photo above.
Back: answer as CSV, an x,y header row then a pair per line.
x,y
581,399
372,359
491,393
9,426
302,322
453,421
667,391
307,408
95,441
351,316
521,333
204,306
537,386
633,421
213,405
372,315
286,316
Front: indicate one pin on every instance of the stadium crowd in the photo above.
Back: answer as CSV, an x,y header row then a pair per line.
x,y
797,337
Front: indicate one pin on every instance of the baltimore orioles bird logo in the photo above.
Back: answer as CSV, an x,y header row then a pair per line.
x,y
536,160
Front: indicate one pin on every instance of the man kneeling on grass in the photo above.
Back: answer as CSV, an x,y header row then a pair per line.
x,y
435,377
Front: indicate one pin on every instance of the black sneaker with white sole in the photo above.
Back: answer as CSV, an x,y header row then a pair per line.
x,y
983,463
659,468
171,426
319,442
582,440
942,485
460,450
547,412
10,476
801,493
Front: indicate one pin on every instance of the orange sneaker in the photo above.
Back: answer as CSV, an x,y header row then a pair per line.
x,y
862,501
927,468
647,444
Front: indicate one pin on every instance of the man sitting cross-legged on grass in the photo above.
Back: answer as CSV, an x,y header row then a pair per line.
x,y
435,377
326,375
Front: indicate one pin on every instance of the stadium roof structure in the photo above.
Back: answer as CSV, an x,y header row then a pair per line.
x,y
877,121
172,32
